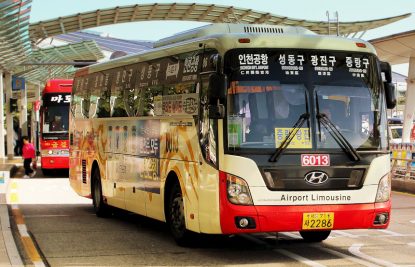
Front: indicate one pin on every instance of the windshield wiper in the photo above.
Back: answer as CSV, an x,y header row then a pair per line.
x,y
338,137
289,137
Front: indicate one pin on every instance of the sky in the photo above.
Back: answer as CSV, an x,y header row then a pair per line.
x,y
350,10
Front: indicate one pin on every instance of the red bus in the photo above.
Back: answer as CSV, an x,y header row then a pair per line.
x,y
54,124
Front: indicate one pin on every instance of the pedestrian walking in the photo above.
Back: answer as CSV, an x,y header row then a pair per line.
x,y
29,156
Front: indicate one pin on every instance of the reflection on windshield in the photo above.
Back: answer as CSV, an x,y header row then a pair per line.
x,y
267,94
350,111
261,114
55,119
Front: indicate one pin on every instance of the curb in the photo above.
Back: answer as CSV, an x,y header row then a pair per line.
x,y
11,248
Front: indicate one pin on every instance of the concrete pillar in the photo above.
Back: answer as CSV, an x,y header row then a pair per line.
x,y
9,116
2,156
36,119
23,111
409,102
37,98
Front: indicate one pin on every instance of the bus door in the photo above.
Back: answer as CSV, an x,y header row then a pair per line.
x,y
134,186
116,165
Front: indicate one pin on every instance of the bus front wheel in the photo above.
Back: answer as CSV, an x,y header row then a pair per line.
x,y
101,209
314,236
176,217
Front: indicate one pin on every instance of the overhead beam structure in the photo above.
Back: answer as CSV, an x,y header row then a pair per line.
x,y
53,62
189,12
14,32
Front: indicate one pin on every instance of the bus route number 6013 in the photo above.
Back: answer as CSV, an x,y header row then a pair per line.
x,y
315,160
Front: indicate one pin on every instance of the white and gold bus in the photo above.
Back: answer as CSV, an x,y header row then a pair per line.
x,y
232,128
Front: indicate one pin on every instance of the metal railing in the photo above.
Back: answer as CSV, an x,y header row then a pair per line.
x,y
403,161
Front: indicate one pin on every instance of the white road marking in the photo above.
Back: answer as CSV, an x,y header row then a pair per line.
x,y
412,244
391,233
39,264
299,258
345,256
413,221
346,234
355,250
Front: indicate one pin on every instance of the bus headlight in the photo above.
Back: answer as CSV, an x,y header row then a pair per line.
x,y
238,191
384,189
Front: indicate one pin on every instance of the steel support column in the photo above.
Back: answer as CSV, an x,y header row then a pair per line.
x,y
409,102
2,156
9,116
23,111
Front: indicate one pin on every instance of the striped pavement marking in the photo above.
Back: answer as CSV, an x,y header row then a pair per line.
x,y
391,233
345,234
299,258
345,256
355,250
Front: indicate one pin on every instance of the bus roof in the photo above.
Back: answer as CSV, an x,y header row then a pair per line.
x,y
58,86
225,36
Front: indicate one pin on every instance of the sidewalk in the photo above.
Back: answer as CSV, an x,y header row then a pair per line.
x,y
9,254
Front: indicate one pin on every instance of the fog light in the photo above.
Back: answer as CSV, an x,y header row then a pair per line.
x,y
381,218
243,222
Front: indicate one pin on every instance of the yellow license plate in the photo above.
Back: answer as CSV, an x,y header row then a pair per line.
x,y
324,220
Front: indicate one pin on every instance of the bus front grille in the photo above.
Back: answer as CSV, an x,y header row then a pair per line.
x,y
294,179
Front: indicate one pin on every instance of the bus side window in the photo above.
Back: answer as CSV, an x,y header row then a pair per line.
x,y
103,102
147,103
86,92
95,94
117,95
130,91
77,99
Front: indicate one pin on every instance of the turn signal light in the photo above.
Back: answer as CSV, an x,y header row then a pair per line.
x,y
361,45
244,40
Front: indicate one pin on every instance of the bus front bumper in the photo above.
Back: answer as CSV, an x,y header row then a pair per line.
x,y
55,162
290,218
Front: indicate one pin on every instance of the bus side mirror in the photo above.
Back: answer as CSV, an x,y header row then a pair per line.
x,y
217,95
385,68
216,111
216,90
390,93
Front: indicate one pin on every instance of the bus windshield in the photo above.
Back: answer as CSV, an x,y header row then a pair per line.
x,y
269,91
55,120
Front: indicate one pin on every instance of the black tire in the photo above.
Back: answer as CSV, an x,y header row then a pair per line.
x,y
176,217
315,236
100,207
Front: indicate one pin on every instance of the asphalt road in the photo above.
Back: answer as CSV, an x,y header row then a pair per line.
x,y
67,233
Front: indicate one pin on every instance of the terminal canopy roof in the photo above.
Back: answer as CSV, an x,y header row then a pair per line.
x,y
18,37
396,48
191,12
